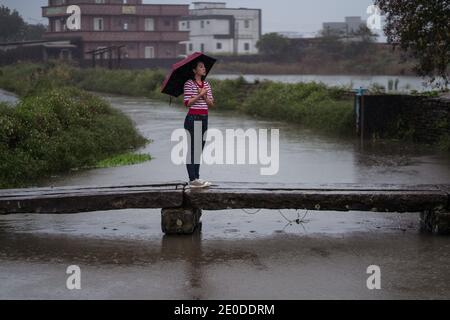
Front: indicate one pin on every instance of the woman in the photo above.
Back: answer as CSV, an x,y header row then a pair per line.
x,y
198,98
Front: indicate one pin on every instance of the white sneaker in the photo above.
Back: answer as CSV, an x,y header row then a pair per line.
x,y
197,184
207,183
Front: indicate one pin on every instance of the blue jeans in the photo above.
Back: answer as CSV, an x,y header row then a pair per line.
x,y
193,167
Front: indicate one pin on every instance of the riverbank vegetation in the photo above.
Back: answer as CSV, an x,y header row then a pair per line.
x,y
27,79
309,104
58,130
123,159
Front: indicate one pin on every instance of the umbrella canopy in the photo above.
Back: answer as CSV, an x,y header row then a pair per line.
x,y
182,71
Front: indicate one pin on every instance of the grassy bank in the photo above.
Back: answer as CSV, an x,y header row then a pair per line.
x,y
27,79
58,130
311,105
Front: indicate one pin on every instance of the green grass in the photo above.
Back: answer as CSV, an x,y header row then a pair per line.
x,y
312,105
31,78
126,159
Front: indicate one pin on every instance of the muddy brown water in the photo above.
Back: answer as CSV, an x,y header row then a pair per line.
x,y
236,254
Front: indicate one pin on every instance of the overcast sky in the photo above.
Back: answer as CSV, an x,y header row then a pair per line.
x,y
278,15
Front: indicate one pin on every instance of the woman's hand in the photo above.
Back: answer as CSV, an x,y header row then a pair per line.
x,y
203,92
209,102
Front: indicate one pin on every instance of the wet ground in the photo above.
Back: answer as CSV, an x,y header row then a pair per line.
x,y
237,254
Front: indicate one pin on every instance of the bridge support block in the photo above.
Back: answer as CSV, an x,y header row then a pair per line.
x,y
436,222
180,220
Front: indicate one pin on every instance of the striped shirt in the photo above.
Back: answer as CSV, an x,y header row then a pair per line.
x,y
192,89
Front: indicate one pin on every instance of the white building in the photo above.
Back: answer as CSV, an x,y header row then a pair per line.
x,y
216,29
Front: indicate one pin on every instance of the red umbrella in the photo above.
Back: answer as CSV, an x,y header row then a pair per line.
x,y
173,85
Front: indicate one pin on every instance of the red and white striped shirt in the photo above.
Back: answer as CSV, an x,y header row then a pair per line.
x,y
192,89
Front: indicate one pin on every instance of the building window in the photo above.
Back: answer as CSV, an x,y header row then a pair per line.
x,y
202,47
98,24
149,24
149,52
188,25
99,1
219,45
246,46
191,47
125,26
247,24
202,24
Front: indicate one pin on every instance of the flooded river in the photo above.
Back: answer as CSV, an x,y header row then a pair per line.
x,y
237,254
403,84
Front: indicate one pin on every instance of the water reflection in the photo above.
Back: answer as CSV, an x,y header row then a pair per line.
x,y
189,249
279,266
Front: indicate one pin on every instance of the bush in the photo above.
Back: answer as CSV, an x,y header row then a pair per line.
x,y
59,130
229,93
310,104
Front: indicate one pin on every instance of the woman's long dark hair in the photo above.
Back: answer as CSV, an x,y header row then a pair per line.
x,y
194,65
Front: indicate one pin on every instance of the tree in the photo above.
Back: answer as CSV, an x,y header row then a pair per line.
x,y
363,43
11,24
365,35
330,42
421,28
33,31
273,44
13,28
